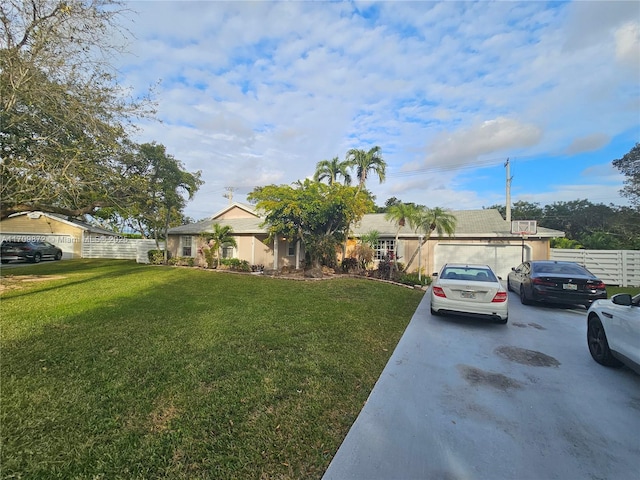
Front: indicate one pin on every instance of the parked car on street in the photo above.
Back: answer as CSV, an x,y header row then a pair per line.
x,y
469,290
613,331
555,282
29,251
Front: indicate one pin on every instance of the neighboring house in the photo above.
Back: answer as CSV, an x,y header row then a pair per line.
x,y
250,236
481,236
68,234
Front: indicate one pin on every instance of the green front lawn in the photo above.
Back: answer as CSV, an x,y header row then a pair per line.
x,y
111,369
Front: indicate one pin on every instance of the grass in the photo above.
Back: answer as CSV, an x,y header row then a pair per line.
x,y
111,369
612,290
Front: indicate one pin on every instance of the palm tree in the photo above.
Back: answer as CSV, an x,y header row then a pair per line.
x,y
433,219
331,169
365,162
220,237
401,214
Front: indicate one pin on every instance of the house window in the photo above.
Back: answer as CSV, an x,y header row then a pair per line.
x,y
385,248
227,251
291,249
186,246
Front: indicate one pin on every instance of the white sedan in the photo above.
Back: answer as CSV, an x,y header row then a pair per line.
x,y
613,331
469,290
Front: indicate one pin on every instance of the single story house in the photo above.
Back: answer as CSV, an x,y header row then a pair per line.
x,y
69,234
481,236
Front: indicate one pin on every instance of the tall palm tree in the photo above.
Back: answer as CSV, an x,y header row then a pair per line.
x,y
365,162
331,170
433,220
220,237
402,214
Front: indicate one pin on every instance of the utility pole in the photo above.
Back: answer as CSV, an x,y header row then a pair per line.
x,y
509,177
229,194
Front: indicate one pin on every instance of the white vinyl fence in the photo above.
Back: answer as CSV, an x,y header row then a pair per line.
x,y
613,267
118,248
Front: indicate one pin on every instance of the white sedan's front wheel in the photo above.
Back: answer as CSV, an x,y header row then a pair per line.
x,y
598,344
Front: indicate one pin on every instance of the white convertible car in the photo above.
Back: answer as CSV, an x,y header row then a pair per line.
x,y
469,290
613,331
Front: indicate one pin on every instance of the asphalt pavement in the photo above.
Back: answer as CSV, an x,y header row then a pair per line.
x,y
464,399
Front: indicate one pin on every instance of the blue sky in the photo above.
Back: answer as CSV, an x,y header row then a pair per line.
x,y
254,93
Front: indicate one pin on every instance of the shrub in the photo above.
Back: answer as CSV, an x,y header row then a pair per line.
x,y
349,265
209,256
156,257
364,253
182,261
412,279
235,264
384,270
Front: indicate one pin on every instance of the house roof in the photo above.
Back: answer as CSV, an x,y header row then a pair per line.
x,y
239,226
243,206
87,227
485,223
469,223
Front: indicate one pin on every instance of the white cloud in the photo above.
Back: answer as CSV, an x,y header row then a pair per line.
x,y
253,93
628,46
489,137
588,143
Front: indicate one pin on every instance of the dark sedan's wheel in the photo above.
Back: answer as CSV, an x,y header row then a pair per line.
x,y
5,261
58,256
37,257
598,344
509,285
523,297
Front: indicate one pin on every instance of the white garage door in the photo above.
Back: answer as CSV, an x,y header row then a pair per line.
x,y
499,257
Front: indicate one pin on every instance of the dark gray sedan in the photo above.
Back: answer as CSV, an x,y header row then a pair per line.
x,y
29,251
555,282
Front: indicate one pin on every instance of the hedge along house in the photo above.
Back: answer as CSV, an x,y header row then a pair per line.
x,y
251,239
481,236
66,233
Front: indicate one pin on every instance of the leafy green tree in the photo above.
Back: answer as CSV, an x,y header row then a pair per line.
x,y
331,170
563,242
366,162
629,165
161,186
580,220
315,213
521,210
221,236
64,121
601,241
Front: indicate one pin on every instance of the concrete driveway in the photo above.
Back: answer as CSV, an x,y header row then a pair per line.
x,y
467,399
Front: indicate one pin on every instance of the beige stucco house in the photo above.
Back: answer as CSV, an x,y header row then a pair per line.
x,y
250,236
481,236
68,234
